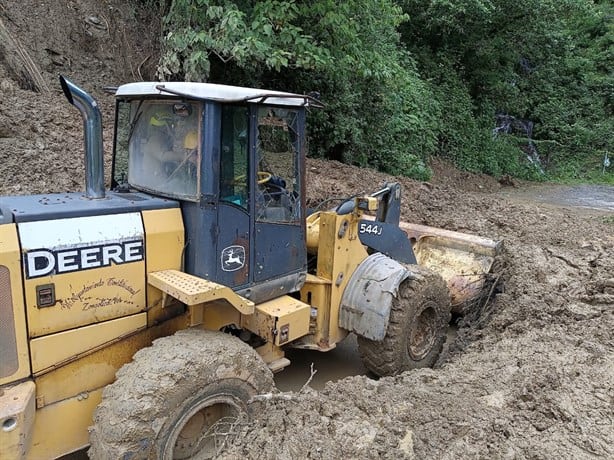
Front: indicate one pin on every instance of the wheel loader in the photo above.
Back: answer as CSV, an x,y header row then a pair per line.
x,y
141,320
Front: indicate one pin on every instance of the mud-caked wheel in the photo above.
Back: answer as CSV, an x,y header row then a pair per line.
x,y
417,328
180,398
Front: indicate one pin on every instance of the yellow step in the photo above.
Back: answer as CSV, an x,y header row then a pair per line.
x,y
192,290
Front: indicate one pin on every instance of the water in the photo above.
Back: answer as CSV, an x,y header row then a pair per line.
x,y
599,197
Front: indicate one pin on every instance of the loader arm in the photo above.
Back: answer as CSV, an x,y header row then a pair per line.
x,y
389,208
464,261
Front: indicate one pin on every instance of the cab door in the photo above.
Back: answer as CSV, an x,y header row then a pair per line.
x,y
261,243
234,215
279,238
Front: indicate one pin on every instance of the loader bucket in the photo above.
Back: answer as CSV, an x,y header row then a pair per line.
x,y
464,261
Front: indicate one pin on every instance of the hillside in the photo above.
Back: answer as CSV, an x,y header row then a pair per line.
x,y
528,376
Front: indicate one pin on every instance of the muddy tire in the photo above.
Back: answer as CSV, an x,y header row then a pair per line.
x,y
417,328
178,398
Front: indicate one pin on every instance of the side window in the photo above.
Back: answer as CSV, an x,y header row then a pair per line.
x,y
278,195
234,168
122,138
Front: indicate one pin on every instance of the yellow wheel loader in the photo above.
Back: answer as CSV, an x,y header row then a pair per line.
x,y
140,320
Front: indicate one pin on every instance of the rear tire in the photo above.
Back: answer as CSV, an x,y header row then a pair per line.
x,y
417,328
178,398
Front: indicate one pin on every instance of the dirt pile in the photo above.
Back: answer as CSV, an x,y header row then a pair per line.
x,y
530,378
93,43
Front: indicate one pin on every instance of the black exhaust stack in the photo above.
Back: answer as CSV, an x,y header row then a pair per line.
x,y
92,127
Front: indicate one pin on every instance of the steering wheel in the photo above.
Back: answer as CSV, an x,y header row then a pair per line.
x,y
263,178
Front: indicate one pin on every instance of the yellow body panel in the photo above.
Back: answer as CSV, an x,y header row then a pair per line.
x,y
14,358
98,368
86,297
340,252
216,315
280,320
67,396
316,292
58,349
61,428
163,251
16,419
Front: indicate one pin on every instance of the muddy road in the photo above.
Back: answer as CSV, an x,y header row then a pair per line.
x,y
598,197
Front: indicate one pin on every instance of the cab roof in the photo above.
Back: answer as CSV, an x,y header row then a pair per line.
x,y
215,92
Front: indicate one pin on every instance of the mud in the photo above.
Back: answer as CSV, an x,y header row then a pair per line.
x,y
528,375
528,378
343,361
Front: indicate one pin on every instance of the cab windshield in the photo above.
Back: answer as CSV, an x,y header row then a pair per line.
x,y
158,148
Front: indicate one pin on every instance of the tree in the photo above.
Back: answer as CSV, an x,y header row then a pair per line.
x,y
377,107
409,79
541,61
202,36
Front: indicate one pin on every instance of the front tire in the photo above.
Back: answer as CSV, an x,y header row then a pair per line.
x,y
179,398
417,328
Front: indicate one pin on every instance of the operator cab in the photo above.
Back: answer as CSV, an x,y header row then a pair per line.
x,y
234,159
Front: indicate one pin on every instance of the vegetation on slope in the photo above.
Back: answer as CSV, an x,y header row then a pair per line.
x,y
522,88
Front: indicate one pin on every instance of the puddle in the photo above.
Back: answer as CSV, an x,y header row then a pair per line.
x,y
333,365
599,197
343,361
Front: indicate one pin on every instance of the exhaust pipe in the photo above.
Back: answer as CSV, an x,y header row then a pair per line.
x,y
92,127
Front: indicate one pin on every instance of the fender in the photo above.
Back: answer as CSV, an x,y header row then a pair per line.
x,y
367,298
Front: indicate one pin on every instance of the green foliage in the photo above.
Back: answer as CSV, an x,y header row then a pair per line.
x,y
379,111
406,80
538,60
262,34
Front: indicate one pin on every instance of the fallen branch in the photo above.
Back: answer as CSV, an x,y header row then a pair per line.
x,y
485,304
571,264
138,69
285,396
20,63
312,373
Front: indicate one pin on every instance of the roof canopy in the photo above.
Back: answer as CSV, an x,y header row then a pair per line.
x,y
215,92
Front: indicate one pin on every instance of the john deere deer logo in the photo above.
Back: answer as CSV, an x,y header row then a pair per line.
x,y
233,258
